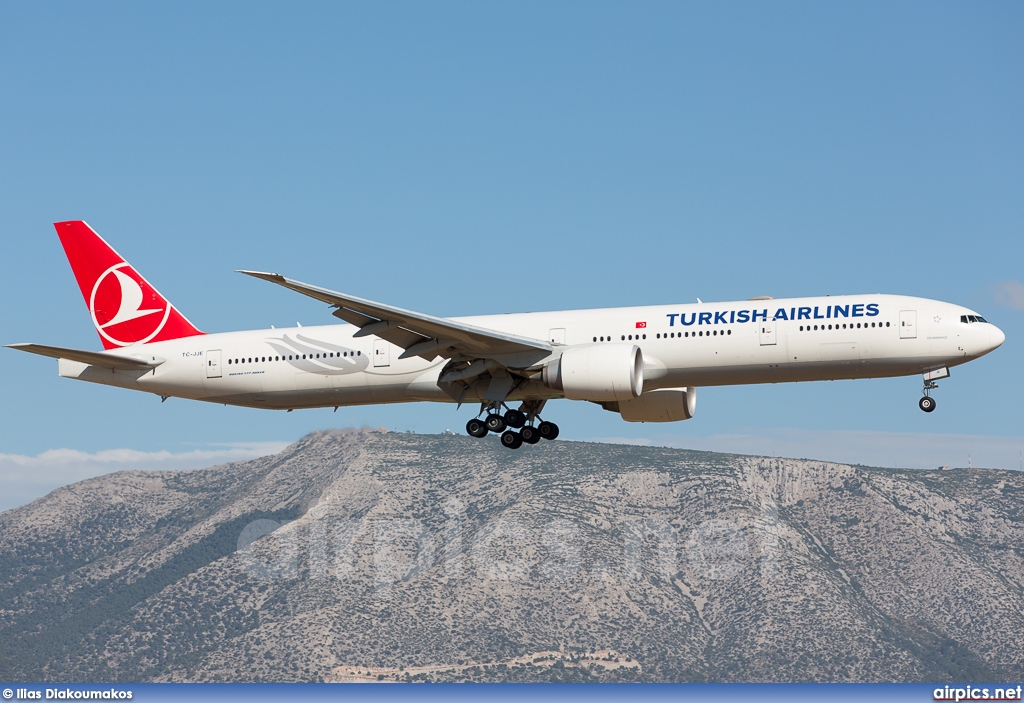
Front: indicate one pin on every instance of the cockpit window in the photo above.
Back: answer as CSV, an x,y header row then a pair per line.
x,y
979,318
972,318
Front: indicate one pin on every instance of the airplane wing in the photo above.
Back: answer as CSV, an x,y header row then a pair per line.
x,y
418,334
102,359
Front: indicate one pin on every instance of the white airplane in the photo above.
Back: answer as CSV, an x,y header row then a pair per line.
x,y
644,363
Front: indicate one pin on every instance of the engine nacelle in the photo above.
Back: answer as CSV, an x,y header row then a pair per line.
x,y
598,372
662,405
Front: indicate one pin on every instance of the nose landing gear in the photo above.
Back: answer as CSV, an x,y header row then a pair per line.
x,y
523,419
927,403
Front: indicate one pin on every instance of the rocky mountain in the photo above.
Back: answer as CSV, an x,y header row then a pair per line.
x,y
371,556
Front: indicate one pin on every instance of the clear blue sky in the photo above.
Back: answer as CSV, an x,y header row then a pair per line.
x,y
463,158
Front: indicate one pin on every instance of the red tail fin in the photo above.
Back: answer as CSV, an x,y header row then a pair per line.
x,y
125,308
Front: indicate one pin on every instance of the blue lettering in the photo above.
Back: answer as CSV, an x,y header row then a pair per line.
x,y
872,309
804,314
693,318
828,311
705,319
792,313
755,313
720,318
818,315
672,319
743,316
780,314
842,310
858,310
732,316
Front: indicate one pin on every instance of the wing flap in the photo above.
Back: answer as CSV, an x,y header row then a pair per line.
x,y
102,359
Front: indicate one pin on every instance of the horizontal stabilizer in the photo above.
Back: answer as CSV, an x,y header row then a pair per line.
x,y
103,359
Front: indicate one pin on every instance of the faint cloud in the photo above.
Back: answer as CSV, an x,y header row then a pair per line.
x,y
23,478
1010,294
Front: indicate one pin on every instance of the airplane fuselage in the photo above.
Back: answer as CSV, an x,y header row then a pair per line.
x,y
691,345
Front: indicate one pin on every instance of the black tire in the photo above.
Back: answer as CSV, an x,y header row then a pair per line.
x,y
548,430
926,403
495,423
512,440
514,418
530,434
476,428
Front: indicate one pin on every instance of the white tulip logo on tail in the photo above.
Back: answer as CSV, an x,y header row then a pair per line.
x,y
116,304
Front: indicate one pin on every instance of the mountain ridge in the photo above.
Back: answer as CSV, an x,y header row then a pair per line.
x,y
358,550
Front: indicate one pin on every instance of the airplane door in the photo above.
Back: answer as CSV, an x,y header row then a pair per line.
x,y
213,363
908,324
381,352
767,333
557,335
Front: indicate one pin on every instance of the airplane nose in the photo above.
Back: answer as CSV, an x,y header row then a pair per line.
x,y
996,336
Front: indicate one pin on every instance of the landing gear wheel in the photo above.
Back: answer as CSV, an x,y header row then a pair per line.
x,y
512,440
926,403
530,434
495,423
547,430
476,428
514,418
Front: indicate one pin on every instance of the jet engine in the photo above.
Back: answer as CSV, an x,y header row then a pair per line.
x,y
662,405
598,372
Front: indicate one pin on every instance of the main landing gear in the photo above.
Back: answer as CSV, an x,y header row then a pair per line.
x,y
524,420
